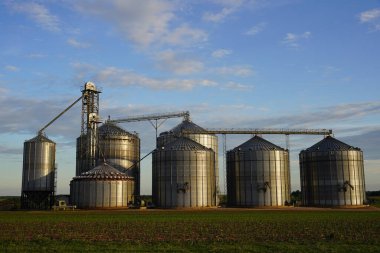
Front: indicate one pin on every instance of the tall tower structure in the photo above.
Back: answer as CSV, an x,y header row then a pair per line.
x,y
87,141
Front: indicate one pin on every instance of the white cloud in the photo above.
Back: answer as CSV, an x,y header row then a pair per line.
x,y
218,17
327,115
237,86
372,17
11,68
184,35
117,77
208,83
83,71
170,61
39,14
74,43
235,70
292,40
368,16
228,3
228,7
151,22
220,53
37,112
256,29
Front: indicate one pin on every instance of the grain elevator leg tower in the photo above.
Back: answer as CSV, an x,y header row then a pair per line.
x,y
87,141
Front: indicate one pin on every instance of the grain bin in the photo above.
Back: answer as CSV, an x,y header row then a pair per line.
x,y
196,133
183,175
121,150
258,174
38,174
102,187
332,174
82,159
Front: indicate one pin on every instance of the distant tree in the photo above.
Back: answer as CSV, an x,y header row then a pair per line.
x,y
373,193
295,196
222,199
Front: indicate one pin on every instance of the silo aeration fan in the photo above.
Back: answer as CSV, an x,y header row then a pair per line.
x,y
343,188
264,187
183,187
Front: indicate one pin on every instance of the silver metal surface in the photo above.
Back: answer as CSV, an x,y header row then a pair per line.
x,y
82,163
332,174
38,173
183,175
120,149
87,142
102,187
156,116
258,174
193,133
38,164
263,131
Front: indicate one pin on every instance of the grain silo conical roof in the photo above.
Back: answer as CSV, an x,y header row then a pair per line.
x,y
330,144
186,125
40,138
102,187
257,143
112,129
103,171
183,143
332,174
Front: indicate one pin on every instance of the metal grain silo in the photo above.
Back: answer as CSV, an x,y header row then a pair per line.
x,y
102,187
183,175
38,174
332,174
258,174
195,133
82,161
120,149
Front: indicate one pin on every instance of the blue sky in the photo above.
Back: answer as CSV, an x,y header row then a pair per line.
x,y
231,63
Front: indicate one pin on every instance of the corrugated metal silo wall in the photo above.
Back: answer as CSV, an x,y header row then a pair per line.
x,y
332,178
122,152
207,140
258,178
85,159
183,178
38,174
38,166
101,194
82,163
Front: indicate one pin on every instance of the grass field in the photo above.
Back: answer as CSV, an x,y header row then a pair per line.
x,y
213,230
